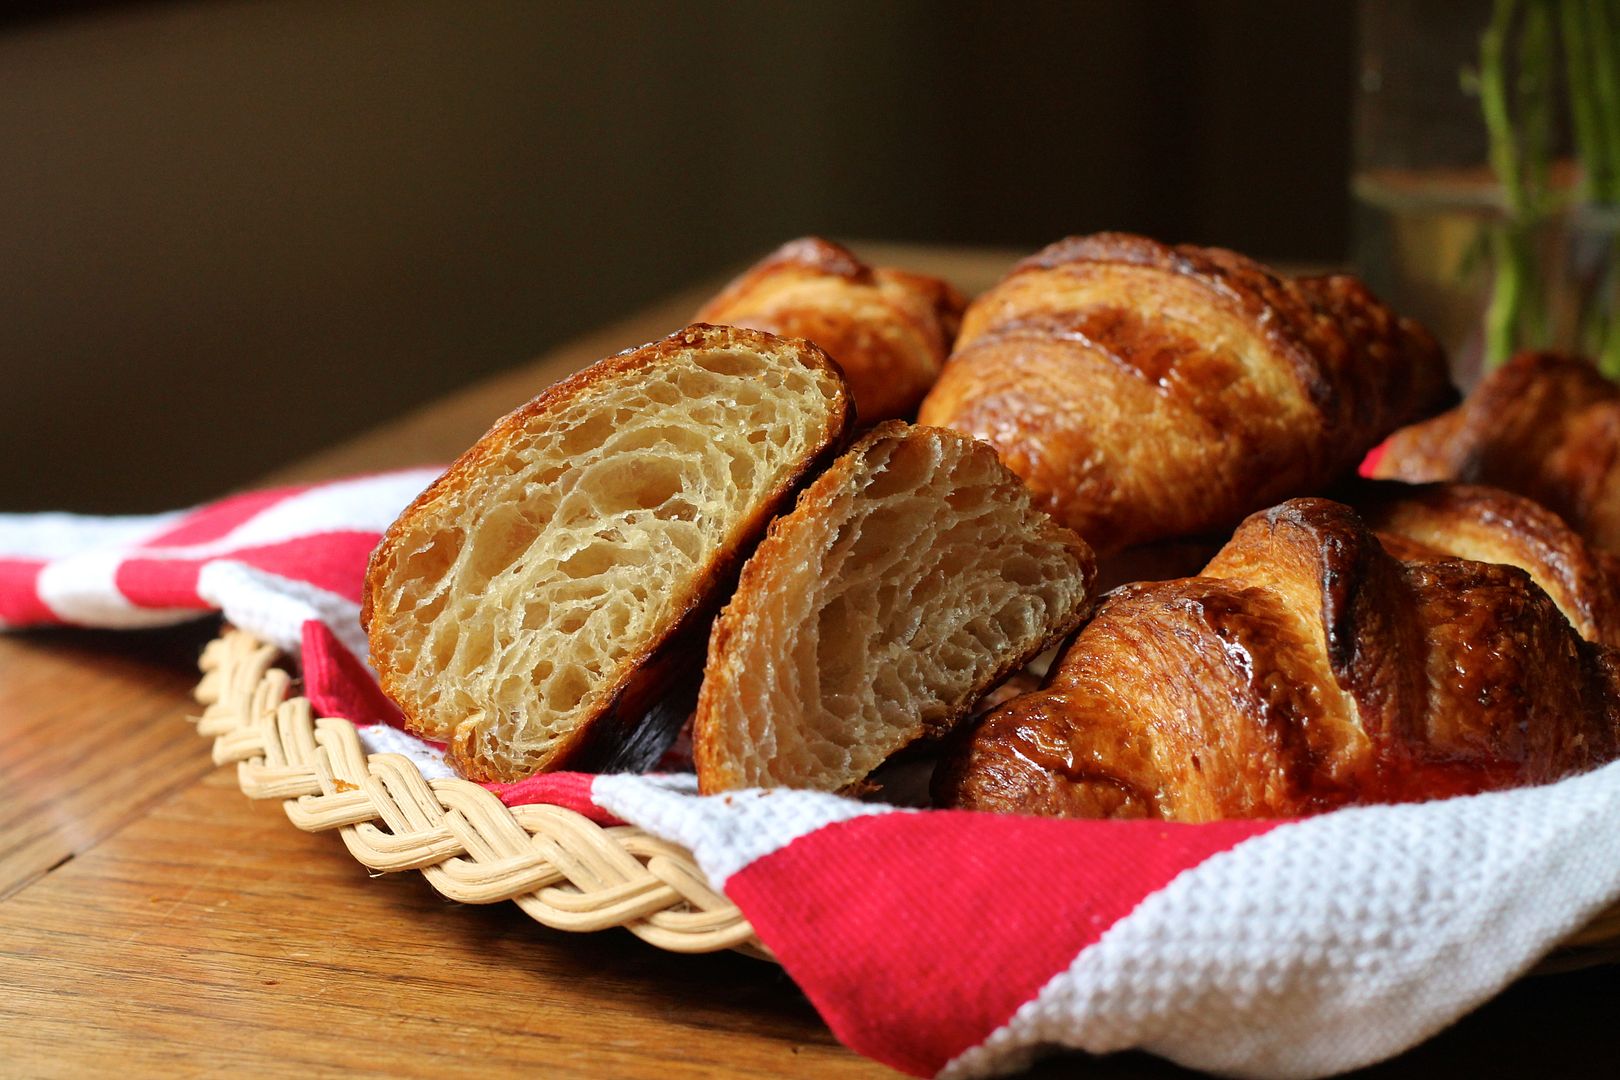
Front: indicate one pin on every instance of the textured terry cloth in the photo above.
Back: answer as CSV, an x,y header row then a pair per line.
x,y
951,943
270,560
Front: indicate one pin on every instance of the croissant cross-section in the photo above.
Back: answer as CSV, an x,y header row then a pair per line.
x,y
911,578
543,604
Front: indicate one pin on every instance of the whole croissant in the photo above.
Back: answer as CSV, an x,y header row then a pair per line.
x,y
1306,669
1145,392
890,330
1418,521
1544,425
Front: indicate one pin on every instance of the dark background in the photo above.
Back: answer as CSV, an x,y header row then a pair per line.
x,y
231,234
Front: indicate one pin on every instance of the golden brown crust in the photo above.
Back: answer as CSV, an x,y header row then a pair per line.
x,y
1543,425
1306,669
1147,392
780,559
890,330
645,709
1486,524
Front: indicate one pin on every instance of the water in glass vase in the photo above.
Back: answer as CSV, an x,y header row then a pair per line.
x,y
1439,241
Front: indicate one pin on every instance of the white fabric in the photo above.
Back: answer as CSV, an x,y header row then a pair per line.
x,y
58,536
382,739
367,504
726,832
1317,947
1337,941
78,585
83,554
275,608
82,589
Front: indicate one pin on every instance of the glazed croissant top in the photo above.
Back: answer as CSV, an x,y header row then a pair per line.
x,y
1544,425
889,330
1146,391
1307,668
1421,521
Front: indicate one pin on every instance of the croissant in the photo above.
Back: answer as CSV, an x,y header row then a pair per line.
x,y
1306,669
543,604
1543,425
889,330
912,577
1486,524
1146,392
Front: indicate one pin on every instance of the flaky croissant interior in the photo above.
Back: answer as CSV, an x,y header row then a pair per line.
x,y
511,610
912,576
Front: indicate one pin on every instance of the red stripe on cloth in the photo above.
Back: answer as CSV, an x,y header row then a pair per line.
x,y
572,791
20,604
160,583
1369,464
960,918
215,520
334,561
338,684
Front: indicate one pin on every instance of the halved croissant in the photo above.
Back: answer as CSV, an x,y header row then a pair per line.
x,y
1307,668
1146,392
889,330
543,603
911,577
1543,425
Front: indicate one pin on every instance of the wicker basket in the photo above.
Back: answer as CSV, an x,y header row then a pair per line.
x,y
560,867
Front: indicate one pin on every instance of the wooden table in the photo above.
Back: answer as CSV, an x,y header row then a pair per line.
x,y
152,920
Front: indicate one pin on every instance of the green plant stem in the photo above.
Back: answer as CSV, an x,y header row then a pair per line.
x,y
1507,293
1502,316
1517,82
1534,106
1493,100
1580,22
1537,67
1588,28
1601,154
1601,319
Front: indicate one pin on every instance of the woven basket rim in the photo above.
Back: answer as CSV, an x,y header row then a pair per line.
x,y
561,868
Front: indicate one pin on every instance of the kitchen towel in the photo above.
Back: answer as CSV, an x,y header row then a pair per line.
x,y
943,942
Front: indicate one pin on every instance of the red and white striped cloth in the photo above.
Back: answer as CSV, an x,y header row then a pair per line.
x,y
952,943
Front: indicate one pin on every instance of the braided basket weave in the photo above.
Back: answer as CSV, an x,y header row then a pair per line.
x,y
563,869
560,867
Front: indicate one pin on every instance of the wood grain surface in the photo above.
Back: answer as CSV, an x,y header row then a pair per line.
x,y
155,922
